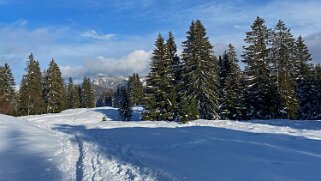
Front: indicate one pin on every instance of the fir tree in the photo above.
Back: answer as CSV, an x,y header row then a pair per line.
x,y
56,89
30,94
136,90
283,70
159,98
125,111
117,95
87,94
233,96
306,85
78,89
260,92
200,80
174,76
72,95
7,91
318,92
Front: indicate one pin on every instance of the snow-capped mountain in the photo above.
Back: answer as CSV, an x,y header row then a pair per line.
x,y
112,82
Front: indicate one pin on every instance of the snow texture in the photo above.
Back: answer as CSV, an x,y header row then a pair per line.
x,y
77,145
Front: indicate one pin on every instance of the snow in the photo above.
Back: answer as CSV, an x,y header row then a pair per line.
x,y
77,145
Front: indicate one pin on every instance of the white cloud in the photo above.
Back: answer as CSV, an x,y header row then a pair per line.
x,y
136,61
93,34
313,42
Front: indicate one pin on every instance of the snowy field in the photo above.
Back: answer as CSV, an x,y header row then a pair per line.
x,y
77,145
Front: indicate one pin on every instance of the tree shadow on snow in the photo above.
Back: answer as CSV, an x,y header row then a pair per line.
x,y
204,153
17,163
295,124
113,114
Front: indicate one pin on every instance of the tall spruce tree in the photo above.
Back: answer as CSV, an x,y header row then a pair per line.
x,y
30,94
87,94
233,91
125,110
260,91
72,95
7,91
116,101
318,92
200,80
174,72
56,89
136,90
159,99
304,74
224,70
282,58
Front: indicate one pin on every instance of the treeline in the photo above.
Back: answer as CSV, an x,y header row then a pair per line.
x,y
42,92
278,81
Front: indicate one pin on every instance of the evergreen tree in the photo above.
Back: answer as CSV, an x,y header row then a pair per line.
x,y
174,71
30,94
224,70
136,90
117,95
7,91
125,111
306,85
78,89
56,89
260,93
200,87
318,92
302,58
283,69
87,93
72,95
233,90
159,98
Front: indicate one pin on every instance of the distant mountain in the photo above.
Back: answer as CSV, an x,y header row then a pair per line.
x,y
102,82
109,82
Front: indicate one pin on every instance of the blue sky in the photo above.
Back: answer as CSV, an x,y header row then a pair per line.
x,y
116,37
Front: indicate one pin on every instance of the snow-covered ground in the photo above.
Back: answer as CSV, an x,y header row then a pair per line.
x,y
77,145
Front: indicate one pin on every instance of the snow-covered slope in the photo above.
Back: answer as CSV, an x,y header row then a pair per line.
x,y
29,152
79,146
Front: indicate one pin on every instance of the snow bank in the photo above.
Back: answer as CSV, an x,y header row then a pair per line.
x,y
28,152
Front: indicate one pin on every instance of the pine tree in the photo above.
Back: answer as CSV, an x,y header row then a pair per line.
x,y
72,95
78,89
30,94
173,69
260,92
159,100
233,96
7,91
200,80
136,89
224,70
56,89
117,95
306,90
125,111
318,92
87,94
282,57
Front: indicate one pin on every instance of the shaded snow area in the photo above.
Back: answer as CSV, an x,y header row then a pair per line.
x,y
77,145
